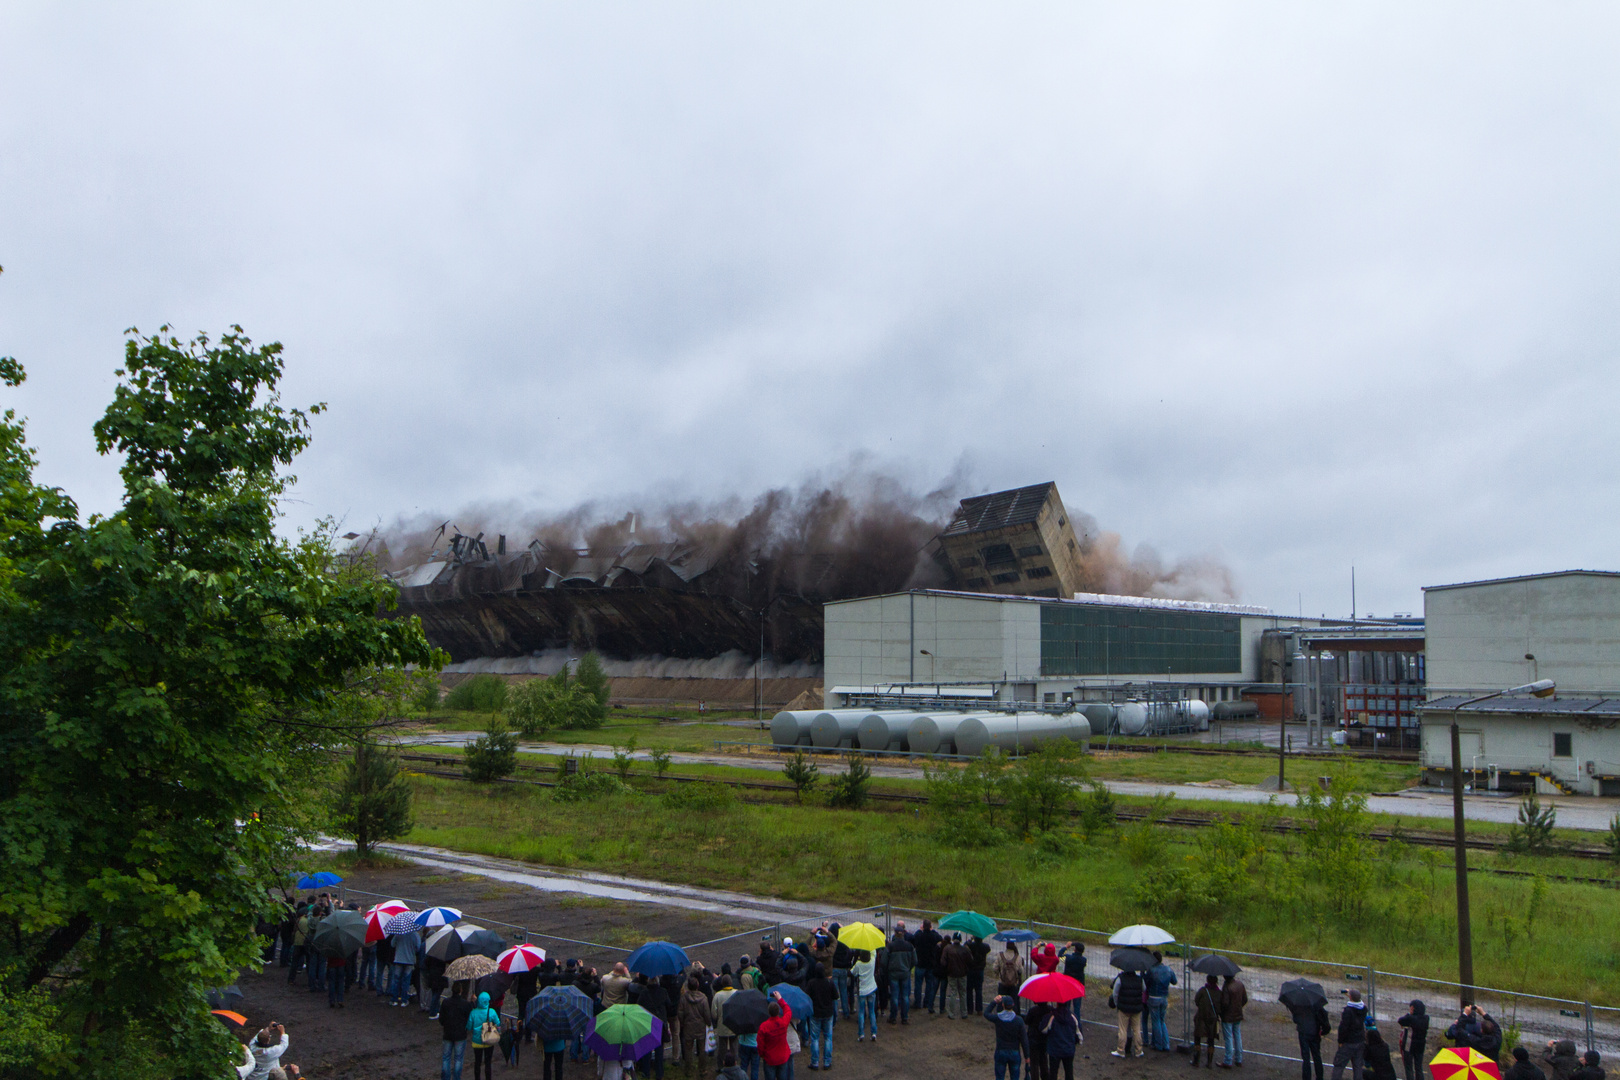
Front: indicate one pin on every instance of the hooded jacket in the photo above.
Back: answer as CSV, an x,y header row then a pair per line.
x,y
773,1043
1062,1033
1562,1059
901,959
1011,1034
693,1012
1415,1029
453,1013
1045,958
720,999
926,944
1523,1070
480,1016
265,1057
1353,1023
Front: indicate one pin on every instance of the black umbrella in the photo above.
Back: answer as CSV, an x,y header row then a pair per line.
x,y
1131,959
1301,994
485,943
340,934
225,997
1216,965
744,1011
494,984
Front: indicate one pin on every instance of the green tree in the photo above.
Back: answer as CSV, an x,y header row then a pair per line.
x,y
483,693
174,673
1099,812
556,703
1612,839
802,773
373,801
493,755
624,758
1533,834
589,675
660,761
851,787
1043,786
426,699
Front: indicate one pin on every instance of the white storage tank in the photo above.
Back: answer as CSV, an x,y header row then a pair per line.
x,y
836,727
935,733
885,730
1100,715
1133,718
1017,733
792,728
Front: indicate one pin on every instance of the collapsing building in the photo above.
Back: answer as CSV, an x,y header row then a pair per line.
x,y
1017,542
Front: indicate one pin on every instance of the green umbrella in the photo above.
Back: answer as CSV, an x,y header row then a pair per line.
x,y
624,1024
969,922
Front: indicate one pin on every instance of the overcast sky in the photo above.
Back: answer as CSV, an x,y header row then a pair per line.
x,y
1296,286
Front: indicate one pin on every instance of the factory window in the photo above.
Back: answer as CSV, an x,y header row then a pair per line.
x,y
1005,579
1563,745
1033,551
966,563
974,583
1096,640
1039,571
1051,699
997,553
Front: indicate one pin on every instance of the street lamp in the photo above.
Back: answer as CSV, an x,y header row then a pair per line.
x,y
1465,942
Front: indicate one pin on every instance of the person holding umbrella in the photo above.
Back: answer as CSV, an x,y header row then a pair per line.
x,y
1062,1037
1308,1004
864,972
1207,1020
1160,978
725,1040
1130,997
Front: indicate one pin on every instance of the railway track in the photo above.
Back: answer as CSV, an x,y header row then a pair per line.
x,y
1191,820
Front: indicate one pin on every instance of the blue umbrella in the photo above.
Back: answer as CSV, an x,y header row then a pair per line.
x,y
796,999
657,958
560,1012
437,916
323,880
1017,934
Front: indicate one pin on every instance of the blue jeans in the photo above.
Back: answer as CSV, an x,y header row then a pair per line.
x,y
399,987
317,970
1158,1033
450,1064
748,1058
821,1029
334,985
1232,1040
924,988
577,1051
367,972
867,1015
900,997
776,1072
1008,1060
846,1002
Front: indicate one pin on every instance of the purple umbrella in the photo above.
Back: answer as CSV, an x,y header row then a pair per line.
x,y
610,1031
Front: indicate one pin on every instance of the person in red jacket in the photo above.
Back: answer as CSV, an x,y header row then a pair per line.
x,y
1046,959
774,1053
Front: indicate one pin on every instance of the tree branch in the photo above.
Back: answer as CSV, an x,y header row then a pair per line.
x,y
57,946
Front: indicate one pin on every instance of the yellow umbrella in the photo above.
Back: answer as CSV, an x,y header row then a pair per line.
x,y
1464,1063
862,935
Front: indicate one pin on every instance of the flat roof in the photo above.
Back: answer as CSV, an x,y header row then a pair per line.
x,y
1086,599
1527,706
1524,577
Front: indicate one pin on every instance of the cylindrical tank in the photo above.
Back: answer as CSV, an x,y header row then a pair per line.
x,y
935,733
792,728
884,730
1132,718
1236,710
838,726
1019,732
1100,714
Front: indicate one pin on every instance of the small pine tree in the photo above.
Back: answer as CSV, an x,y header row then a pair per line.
x,y
1534,832
589,674
373,801
660,761
493,755
851,787
1613,839
802,773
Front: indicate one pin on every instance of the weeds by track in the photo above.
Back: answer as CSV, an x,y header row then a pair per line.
x,y
1189,819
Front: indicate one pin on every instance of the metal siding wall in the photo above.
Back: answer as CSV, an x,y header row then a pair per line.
x,y
1477,635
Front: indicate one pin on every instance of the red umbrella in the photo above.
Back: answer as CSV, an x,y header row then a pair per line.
x,y
1051,987
521,958
377,918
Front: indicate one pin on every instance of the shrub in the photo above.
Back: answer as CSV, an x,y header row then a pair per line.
x,y
624,758
1144,844
493,755
1533,835
708,795
660,761
479,694
851,787
589,675
373,800
1099,812
802,773
560,702
428,693
586,786
1042,787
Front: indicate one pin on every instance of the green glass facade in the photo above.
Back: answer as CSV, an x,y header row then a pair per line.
x,y
1081,639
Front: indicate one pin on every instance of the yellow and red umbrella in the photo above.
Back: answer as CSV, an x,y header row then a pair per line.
x,y
1464,1063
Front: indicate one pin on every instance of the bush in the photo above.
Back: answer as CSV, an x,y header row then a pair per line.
x,y
851,787
708,795
802,773
589,675
428,693
586,786
1099,812
560,702
373,800
479,694
1043,786
661,760
493,755
624,758
1533,835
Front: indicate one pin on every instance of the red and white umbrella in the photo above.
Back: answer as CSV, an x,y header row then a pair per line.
x,y
377,919
520,958
1051,987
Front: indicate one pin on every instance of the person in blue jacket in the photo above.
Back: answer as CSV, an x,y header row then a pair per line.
x,y
483,1054
1160,978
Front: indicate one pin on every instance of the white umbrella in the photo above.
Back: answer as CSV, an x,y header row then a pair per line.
x,y
1142,935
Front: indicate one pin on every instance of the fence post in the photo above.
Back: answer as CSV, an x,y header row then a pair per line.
x,y
1372,994
888,918
1587,1009
1186,994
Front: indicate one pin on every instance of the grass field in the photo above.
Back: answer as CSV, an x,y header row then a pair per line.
x,y
850,858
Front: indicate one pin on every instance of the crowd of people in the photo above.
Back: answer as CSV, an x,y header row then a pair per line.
x,y
926,971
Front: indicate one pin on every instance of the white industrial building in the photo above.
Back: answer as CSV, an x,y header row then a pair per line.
x,y
1488,636
1043,650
